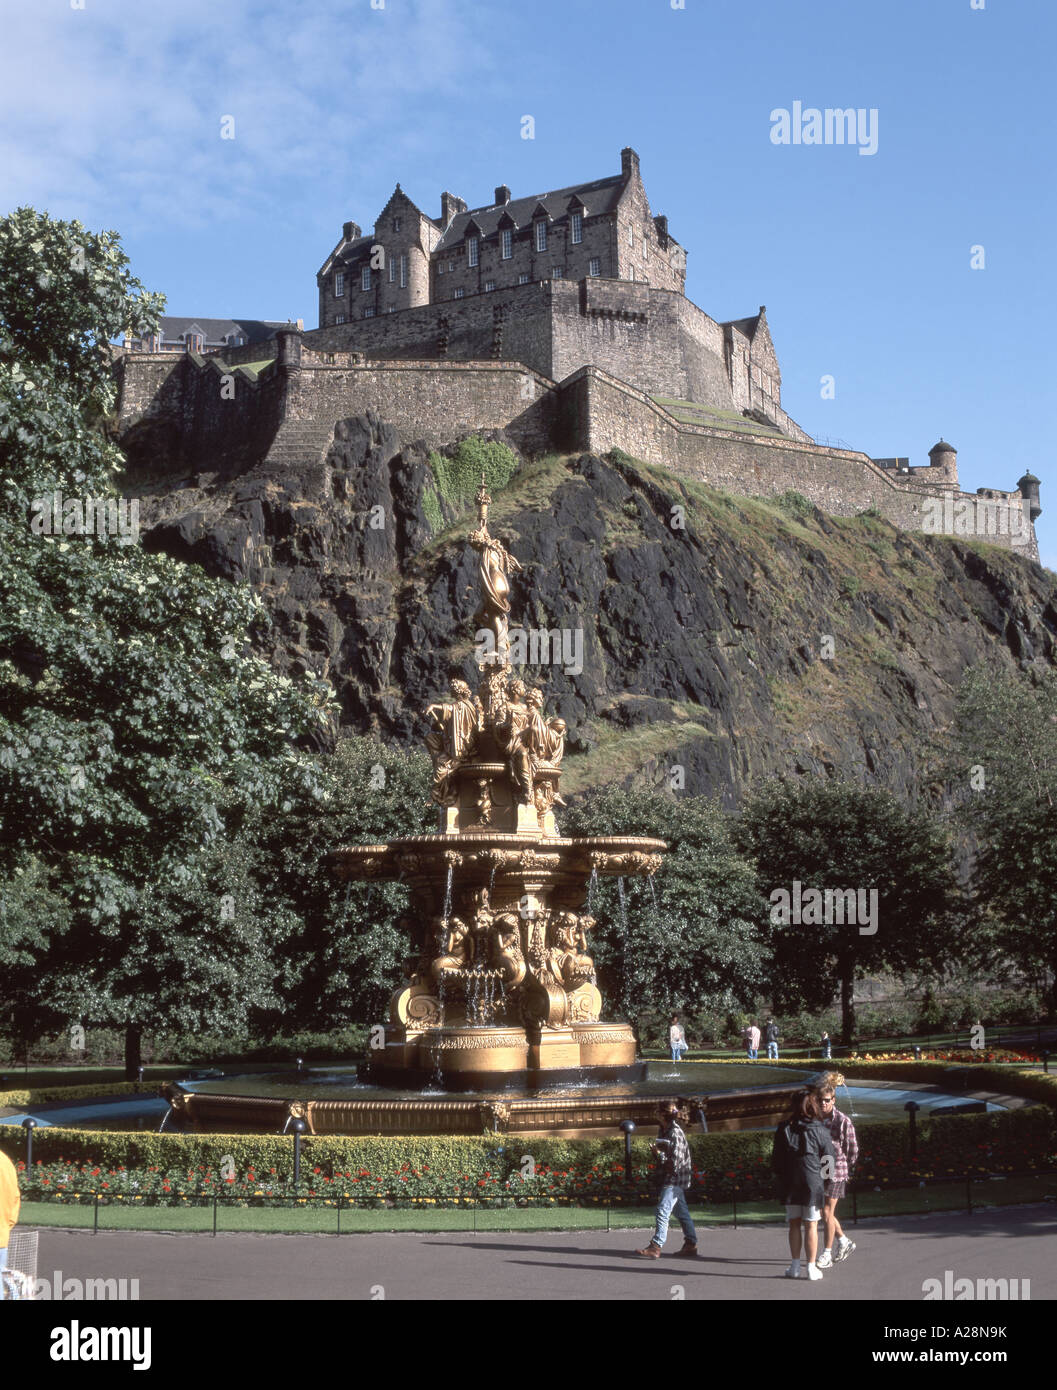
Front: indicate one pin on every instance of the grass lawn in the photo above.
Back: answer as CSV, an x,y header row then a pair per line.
x,y
324,1220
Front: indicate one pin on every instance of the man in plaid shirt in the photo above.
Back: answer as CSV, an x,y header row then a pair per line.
x,y
846,1152
675,1173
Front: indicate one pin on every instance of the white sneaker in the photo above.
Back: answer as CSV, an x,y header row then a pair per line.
x,y
813,1272
844,1248
825,1260
793,1272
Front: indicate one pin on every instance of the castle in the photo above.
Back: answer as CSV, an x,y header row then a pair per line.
x,y
559,318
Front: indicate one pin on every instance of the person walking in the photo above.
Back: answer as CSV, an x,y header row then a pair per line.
x,y
846,1152
827,1046
675,1174
752,1042
10,1204
677,1039
801,1143
771,1035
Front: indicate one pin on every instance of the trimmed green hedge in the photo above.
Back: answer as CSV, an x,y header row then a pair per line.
x,y
734,1162
38,1095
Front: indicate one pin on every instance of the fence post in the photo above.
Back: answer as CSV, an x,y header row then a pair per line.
x,y
214,1213
340,1200
95,1214
475,1214
734,1204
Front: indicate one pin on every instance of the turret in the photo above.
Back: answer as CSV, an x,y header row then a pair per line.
x,y
1029,490
944,457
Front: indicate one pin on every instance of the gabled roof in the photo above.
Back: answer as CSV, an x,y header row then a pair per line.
x,y
599,197
219,330
747,326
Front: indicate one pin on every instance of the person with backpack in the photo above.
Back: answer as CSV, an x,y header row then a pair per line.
x,y
846,1152
802,1154
771,1037
675,1173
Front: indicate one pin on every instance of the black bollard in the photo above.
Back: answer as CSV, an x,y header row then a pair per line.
x,y
1046,1059
917,1054
300,1064
298,1126
628,1126
912,1108
29,1126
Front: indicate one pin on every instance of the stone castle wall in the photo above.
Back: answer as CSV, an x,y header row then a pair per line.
x,y
173,417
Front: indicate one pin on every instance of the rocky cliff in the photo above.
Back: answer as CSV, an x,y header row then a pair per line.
x,y
733,638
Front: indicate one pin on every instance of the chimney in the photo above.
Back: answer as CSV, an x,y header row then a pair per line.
x,y
502,194
450,206
661,223
629,162
350,231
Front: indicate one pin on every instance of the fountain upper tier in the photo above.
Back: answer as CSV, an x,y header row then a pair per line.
x,y
500,986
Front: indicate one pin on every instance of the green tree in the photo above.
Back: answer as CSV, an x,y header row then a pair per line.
x,y
1002,763
137,729
698,938
347,951
835,836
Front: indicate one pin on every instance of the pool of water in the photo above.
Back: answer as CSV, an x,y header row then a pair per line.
x,y
145,1112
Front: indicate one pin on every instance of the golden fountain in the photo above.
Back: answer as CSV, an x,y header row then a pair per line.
x,y
501,986
500,997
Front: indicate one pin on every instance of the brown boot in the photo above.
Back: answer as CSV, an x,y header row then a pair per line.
x,y
689,1251
651,1252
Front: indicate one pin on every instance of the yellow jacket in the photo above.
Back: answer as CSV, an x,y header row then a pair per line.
x,y
10,1200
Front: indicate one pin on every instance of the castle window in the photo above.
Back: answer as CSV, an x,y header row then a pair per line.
x,y
365,278
522,279
340,318
594,266
459,293
390,309
339,284
368,313
473,249
631,235
392,270
576,222
508,243
557,272
645,249
403,272
396,224
541,234
440,267
451,265
489,285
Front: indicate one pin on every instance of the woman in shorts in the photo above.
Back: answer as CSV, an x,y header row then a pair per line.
x,y
846,1152
801,1143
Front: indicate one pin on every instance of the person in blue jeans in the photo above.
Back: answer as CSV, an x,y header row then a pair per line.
x,y
675,1173
771,1035
677,1039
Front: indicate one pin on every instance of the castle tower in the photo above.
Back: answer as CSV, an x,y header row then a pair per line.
x,y
943,460
1029,490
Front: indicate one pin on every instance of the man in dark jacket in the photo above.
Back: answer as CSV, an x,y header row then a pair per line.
x,y
770,1035
802,1159
675,1173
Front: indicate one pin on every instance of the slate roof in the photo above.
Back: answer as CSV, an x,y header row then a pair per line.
x,y
219,330
747,326
599,197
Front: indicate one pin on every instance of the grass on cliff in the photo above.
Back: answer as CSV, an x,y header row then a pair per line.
x,y
457,476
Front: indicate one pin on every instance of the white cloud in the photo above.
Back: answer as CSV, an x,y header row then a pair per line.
x,y
113,113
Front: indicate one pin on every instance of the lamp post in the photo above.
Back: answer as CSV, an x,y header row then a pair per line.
x,y
298,1126
29,1125
628,1126
912,1108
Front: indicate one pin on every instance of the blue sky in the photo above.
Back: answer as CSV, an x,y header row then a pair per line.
x,y
113,111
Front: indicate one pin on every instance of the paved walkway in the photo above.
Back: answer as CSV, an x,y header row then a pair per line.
x,y
892,1262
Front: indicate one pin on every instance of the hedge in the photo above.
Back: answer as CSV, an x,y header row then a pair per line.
x,y
732,1162
38,1095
